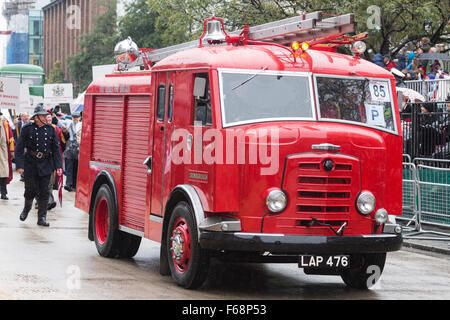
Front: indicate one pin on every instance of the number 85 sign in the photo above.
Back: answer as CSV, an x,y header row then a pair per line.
x,y
379,91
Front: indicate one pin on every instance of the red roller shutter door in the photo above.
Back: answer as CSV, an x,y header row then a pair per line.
x,y
138,116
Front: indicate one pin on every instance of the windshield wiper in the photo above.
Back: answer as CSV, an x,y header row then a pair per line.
x,y
360,75
252,77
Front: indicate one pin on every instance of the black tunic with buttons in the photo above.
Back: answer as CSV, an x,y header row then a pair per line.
x,y
38,139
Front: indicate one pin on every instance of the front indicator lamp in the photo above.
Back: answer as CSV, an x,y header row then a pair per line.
x,y
381,216
295,46
305,46
365,202
276,201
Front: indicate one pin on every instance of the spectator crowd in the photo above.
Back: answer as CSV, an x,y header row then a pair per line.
x,y
428,136
409,64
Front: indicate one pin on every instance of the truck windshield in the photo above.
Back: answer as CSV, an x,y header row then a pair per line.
x,y
363,101
257,96
32,80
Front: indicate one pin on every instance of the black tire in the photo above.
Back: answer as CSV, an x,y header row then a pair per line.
x,y
105,232
191,270
366,271
129,245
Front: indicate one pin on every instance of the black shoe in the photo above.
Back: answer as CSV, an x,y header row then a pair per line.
x,y
26,209
51,205
42,221
4,197
42,214
23,216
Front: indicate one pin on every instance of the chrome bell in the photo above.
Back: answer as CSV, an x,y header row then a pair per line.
x,y
214,32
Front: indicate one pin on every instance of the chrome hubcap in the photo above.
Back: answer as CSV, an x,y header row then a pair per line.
x,y
177,245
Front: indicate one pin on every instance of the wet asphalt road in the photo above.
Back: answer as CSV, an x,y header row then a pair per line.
x,y
61,263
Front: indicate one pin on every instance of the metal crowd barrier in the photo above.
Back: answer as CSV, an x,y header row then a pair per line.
x,y
437,163
409,196
426,197
406,158
431,90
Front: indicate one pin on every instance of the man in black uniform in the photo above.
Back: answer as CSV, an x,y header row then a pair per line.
x,y
37,156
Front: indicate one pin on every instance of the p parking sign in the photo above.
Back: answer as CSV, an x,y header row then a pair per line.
x,y
375,115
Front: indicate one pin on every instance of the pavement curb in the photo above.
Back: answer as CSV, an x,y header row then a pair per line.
x,y
425,247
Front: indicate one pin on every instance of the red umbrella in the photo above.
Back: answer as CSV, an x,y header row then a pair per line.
x,y
60,187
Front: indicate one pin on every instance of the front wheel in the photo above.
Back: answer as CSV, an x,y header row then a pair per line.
x,y
188,263
366,270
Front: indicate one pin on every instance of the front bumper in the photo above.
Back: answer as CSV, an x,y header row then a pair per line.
x,y
297,244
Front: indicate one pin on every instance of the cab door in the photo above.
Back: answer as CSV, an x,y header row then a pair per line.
x,y
159,145
162,150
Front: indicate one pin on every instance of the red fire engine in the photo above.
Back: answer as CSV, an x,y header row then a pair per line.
x,y
265,145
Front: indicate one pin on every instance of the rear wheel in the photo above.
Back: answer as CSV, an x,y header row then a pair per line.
x,y
106,236
366,271
188,263
110,241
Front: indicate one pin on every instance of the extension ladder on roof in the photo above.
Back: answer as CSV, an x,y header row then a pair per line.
x,y
301,28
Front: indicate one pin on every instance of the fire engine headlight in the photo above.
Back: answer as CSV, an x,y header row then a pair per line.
x,y
276,201
381,216
359,47
365,202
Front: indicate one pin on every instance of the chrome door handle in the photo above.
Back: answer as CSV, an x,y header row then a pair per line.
x,y
326,147
148,163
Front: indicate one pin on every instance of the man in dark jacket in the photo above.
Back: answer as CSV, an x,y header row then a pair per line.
x,y
378,59
37,156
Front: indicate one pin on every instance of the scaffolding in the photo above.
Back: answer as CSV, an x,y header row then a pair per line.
x,y
15,7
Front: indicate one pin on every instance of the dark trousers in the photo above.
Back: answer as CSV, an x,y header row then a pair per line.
x,y
36,187
71,168
51,199
3,190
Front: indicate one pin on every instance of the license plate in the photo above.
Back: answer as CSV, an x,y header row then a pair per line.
x,y
324,261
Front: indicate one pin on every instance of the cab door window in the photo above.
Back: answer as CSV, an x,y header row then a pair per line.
x,y
161,102
170,111
202,100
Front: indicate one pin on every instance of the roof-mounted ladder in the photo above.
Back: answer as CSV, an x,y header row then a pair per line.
x,y
305,27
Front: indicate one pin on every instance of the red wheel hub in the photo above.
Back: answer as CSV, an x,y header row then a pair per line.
x,y
102,220
180,247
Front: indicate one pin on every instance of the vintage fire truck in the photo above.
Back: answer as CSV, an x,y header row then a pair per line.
x,y
264,145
